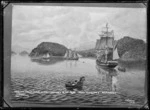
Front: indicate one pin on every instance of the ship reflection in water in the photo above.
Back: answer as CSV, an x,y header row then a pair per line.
x,y
110,76
51,61
47,61
71,64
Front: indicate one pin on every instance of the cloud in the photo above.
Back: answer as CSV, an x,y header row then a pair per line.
x,y
73,26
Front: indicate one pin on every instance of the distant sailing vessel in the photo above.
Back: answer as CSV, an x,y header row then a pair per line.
x,y
71,55
45,56
107,53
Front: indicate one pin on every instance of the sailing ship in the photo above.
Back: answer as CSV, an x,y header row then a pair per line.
x,y
46,57
71,55
106,50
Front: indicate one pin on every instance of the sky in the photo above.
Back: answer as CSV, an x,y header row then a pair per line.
x,y
74,27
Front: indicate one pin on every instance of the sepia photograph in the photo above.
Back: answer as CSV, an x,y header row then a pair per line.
x,y
78,55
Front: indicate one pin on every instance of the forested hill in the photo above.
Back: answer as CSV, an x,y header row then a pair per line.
x,y
50,48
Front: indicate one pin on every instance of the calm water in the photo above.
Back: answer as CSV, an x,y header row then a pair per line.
x,y
45,82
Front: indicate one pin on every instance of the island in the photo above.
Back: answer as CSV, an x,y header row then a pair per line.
x,y
48,49
24,53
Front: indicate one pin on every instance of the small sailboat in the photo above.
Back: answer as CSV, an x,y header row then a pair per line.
x,y
46,57
107,53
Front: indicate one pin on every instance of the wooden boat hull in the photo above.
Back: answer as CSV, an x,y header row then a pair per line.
x,y
72,58
78,85
110,64
72,87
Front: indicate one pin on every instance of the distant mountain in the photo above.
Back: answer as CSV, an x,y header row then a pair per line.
x,y
88,53
86,46
23,53
13,53
131,49
51,48
18,49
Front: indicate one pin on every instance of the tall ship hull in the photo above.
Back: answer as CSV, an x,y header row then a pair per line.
x,y
72,58
106,50
110,64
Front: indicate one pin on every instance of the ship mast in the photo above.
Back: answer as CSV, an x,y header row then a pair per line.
x,y
106,32
106,42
